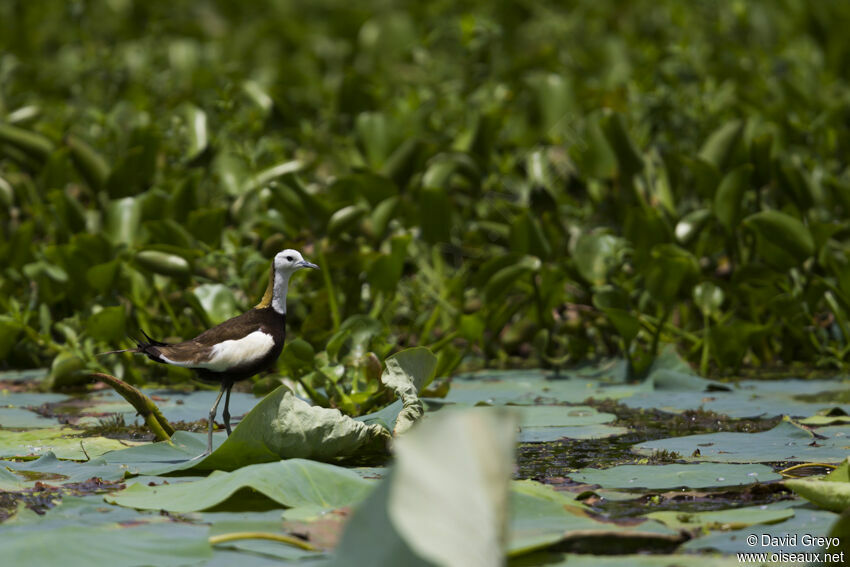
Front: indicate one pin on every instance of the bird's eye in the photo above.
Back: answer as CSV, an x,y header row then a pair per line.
x,y
289,258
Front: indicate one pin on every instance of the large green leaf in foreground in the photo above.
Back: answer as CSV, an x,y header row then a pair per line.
x,y
830,493
444,503
284,426
291,483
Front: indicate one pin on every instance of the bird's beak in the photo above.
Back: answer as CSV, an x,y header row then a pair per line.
x,y
306,264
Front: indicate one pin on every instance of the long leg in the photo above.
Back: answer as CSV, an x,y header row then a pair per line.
x,y
212,417
226,414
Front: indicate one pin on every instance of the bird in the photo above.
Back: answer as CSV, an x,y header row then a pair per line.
x,y
237,348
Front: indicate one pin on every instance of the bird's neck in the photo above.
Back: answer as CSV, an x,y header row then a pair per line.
x,y
275,295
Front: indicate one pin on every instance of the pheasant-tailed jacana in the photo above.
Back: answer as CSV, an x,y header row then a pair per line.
x,y
238,348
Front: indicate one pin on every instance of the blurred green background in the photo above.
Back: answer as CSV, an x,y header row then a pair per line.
x,y
535,183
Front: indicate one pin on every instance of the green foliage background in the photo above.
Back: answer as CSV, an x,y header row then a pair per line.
x,y
529,183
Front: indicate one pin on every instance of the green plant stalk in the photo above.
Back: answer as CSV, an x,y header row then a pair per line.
x,y
656,337
538,301
652,323
703,363
839,315
429,325
171,314
315,396
281,538
143,404
449,337
326,276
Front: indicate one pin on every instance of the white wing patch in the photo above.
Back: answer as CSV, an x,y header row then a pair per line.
x,y
233,353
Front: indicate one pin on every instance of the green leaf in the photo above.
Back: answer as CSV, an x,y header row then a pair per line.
x,y
64,442
373,131
218,302
108,324
690,226
123,218
196,130
163,263
503,280
435,213
135,171
471,327
33,144
669,477
283,426
291,483
345,220
444,503
629,160
527,237
723,520
10,330
595,158
92,165
207,225
784,231
785,442
374,188
833,496
298,354
597,254
670,270
85,532
728,201
407,372
720,145
102,276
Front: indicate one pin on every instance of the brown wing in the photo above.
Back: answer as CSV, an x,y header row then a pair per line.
x,y
197,352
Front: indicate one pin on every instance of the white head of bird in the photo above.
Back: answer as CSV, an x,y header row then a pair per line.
x,y
284,265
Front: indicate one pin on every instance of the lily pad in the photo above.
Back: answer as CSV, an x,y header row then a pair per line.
x,y
19,418
61,471
547,434
83,532
723,520
542,516
785,442
809,522
64,443
291,483
661,477
750,398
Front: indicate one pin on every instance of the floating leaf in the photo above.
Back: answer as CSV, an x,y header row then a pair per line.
x,y
785,442
291,483
664,477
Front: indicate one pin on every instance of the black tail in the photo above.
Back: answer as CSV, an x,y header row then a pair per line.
x,y
141,346
151,342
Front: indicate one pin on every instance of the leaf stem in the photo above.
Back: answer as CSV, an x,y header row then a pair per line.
x,y
281,538
326,276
